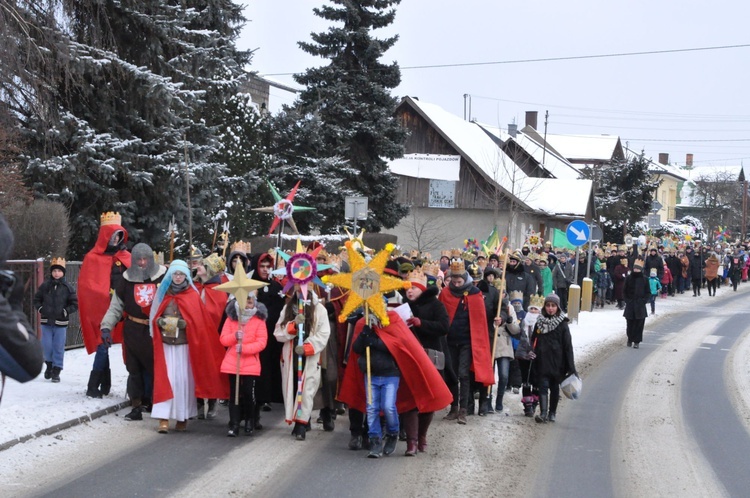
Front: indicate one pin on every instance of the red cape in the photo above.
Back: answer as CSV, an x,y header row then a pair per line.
x,y
94,285
206,352
421,385
215,303
482,363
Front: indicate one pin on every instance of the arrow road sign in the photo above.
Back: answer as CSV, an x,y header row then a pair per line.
x,y
578,232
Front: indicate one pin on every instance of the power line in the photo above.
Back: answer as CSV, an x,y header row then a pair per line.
x,y
555,59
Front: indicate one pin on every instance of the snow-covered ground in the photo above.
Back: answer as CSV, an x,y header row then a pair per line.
x,y
39,405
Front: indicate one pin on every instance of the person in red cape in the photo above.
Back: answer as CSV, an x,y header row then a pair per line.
x,y
187,352
468,340
421,386
101,270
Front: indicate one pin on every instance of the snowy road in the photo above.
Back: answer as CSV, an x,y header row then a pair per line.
x,y
668,419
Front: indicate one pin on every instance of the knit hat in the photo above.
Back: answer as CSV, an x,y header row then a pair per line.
x,y
552,298
57,264
653,272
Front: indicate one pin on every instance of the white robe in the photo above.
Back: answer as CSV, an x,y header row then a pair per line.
x,y
311,372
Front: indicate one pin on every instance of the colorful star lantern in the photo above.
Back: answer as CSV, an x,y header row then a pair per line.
x,y
722,234
301,268
240,286
283,208
367,283
358,242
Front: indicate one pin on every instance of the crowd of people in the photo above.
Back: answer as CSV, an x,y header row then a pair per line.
x,y
465,329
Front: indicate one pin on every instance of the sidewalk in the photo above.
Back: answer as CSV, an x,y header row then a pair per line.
x,y
40,407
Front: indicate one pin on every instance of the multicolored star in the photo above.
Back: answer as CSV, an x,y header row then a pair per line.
x,y
283,208
301,268
367,283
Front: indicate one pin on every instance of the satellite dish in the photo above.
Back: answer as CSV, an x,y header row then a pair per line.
x,y
628,240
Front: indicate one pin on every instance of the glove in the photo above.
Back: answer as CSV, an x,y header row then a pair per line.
x,y
414,322
291,328
300,350
239,335
106,337
299,319
181,323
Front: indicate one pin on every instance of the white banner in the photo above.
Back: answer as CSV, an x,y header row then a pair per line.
x,y
431,166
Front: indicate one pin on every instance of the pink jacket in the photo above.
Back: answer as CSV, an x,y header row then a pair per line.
x,y
253,342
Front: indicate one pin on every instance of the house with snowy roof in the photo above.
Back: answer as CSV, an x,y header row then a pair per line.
x,y
461,180
671,179
585,150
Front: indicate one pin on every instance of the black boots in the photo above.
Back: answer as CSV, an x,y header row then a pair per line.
x,y
92,390
390,444
542,417
48,370
376,448
299,431
105,382
234,421
56,374
326,415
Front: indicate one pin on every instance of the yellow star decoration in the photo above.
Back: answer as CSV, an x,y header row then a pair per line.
x,y
367,283
241,286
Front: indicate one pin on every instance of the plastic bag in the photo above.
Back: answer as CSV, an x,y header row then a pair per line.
x,y
572,386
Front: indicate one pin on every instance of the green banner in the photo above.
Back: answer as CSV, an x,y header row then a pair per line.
x,y
559,239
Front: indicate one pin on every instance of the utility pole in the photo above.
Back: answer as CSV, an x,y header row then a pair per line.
x,y
743,232
544,150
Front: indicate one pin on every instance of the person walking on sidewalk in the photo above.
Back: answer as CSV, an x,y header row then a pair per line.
x,y
637,292
554,360
655,288
712,273
55,300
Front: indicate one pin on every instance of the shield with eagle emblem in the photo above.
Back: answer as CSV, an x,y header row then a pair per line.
x,y
144,294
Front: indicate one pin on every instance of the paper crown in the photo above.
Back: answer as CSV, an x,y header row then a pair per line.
x,y
482,254
431,269
418,278
455,253
457,266
445,253
110,218
468,256
57,262
414,254
516,295
638,263
214,263
159,258
536,301
426,256
241,246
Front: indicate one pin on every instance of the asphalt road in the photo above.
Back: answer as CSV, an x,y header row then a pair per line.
x,y
580,456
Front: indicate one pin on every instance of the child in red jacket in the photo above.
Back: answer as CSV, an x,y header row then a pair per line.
x,y
666,283
244,333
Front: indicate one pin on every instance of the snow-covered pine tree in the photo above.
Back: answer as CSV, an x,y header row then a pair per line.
x,y
350,96
623,192
143,75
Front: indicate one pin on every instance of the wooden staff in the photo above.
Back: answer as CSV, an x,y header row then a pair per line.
x,y
300,342
499,309
367,358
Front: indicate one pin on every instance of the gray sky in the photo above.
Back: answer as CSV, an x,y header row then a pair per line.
x,y
690,102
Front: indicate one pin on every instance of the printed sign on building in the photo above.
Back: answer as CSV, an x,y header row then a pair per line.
x,y
442,194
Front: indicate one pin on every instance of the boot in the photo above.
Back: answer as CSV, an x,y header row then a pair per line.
x,y
499,402
211,414
482,404
453,414
93,388
470,407
551,417
56,374
299,431
390,444
326,416
181,426
376,448
542,417
234,421
163,426
411,447
256,417
425,419
105,382
48,370
461,416
355,443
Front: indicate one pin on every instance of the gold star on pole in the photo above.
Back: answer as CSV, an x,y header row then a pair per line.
x,y
367,283
240,286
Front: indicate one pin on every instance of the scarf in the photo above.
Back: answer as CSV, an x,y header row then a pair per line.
x,y
459,291
545,325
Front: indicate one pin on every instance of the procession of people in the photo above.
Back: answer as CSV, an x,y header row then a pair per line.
x,y
449,335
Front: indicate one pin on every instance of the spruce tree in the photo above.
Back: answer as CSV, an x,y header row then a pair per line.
x,y
623,193
350,96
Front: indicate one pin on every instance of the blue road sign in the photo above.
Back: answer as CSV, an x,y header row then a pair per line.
x,y
577,232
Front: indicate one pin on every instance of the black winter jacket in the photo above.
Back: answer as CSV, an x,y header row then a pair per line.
x,y
20,351
382,363
637,294
554,353
517,279
435,324
56,300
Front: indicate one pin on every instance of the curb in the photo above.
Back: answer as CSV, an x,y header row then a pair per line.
x,y
65,425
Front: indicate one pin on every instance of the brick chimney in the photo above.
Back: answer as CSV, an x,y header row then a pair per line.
x,y
531,118
663,158
688,159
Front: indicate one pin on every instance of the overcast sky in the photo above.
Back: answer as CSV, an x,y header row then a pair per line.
x,y
689,102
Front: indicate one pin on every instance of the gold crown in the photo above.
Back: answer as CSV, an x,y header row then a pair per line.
x,y
457,266
241,246
445,253
431,269
455,253
159,258
417,277
110,218
57,262
214,263
516,295
468,256
426,256
536,301
414,254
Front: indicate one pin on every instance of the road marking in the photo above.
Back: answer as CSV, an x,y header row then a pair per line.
x,y
703,347
725,349
711,339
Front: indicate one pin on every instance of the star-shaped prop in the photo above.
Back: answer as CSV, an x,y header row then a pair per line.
x,y
358,242
283,208
367,283
301,268
240,286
